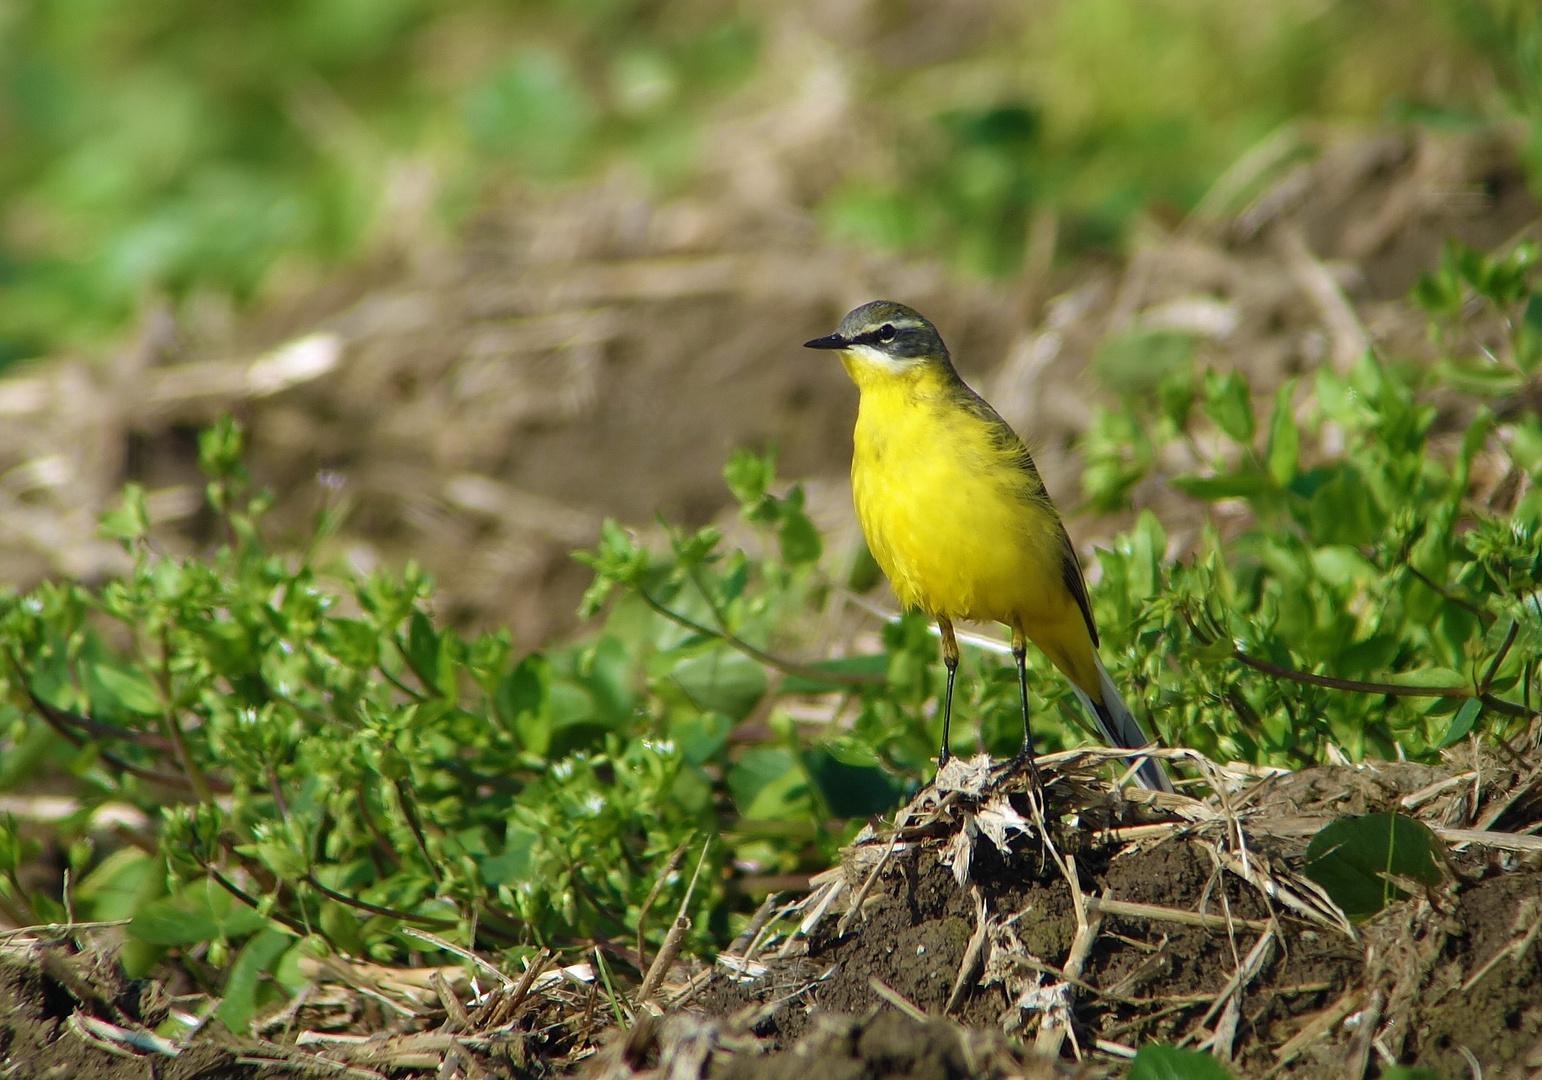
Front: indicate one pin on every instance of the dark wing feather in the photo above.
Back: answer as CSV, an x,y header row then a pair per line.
x,y
1071,574
1013,449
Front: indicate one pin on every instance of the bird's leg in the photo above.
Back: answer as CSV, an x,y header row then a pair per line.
x,y
1020,654
950,660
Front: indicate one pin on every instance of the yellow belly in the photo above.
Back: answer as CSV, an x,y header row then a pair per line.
x,y
951,523
954,538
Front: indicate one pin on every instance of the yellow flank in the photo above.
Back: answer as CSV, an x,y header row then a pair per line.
x,y
961,530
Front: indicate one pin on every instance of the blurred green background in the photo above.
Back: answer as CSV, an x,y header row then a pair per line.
x,y
199,152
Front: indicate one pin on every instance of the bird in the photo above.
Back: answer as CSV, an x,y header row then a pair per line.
x,y
957,516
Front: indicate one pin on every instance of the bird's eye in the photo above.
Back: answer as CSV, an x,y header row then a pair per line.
x,y
885,333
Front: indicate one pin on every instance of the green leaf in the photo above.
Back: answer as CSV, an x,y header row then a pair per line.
x,y
697,548
1175,398
1229,403
513,867
220,450
1342,509
1528,335
423,649
1348,858
1139,361
749,477
257,957
700,736
129,520
128,687
723,681
1117,453
535,110
522,703
760,781
1462,722
1480,378
1438,292
120,885
1158,1061
1284,448
340,924
171,921
354,642
1244,483
798,538
851,790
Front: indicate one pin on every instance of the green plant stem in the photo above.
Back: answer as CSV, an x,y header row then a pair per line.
x,y
1356,685
251,901
1440,590
410,812
425,678
394,681
57,719
174,728
786,667
1504,650
14,905
104,730
1500,705
374,830
375,909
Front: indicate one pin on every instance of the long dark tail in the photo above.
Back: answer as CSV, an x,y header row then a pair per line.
x,y
1120,728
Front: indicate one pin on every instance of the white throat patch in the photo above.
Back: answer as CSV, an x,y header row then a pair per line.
x,y
877,358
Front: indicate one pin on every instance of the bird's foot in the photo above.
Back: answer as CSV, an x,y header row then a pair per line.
x,y
1024,761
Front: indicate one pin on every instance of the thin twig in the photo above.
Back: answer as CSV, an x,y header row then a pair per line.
x,y
1131,910
299,928
972,952
410,812
670,947
456,950
61,722
658,883
897,999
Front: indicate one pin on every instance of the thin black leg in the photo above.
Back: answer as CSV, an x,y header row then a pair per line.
x,y
1020,654
950,659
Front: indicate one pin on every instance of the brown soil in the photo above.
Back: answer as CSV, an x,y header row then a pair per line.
x,y
1450,977
1199,931
47,993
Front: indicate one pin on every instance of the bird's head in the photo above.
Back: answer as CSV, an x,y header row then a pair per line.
x,y
882,337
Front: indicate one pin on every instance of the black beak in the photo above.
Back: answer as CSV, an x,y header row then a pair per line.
x,y
829,341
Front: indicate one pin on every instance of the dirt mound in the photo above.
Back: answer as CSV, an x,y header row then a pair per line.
x,y
1166,919
956,943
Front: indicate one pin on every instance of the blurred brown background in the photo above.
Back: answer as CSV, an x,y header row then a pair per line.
x,y
513,343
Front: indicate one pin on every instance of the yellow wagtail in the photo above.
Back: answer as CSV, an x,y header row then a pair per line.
x,y
956,514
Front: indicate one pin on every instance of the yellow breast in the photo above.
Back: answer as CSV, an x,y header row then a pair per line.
x,y
948,515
